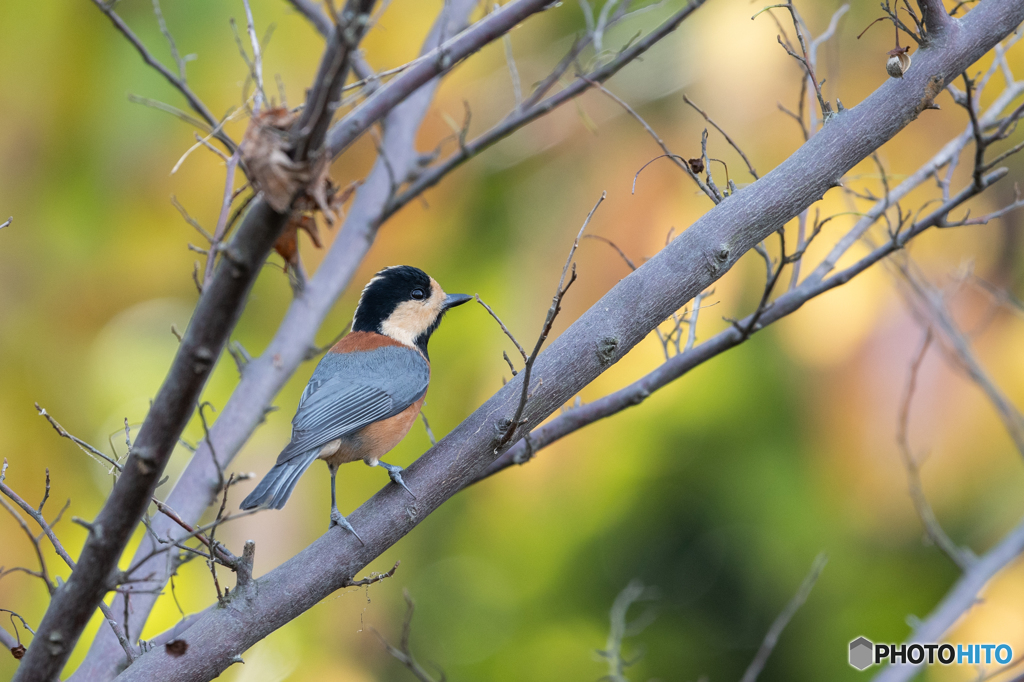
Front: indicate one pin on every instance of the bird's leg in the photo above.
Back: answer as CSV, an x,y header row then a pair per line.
x,y
336,518
394,473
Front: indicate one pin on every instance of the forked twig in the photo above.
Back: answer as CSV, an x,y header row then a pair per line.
x,y
556,306
402,653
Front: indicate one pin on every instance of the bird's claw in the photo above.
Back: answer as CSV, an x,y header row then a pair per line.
x,y
395,474
338,520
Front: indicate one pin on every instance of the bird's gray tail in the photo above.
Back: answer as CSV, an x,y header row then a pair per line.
x,y
276,487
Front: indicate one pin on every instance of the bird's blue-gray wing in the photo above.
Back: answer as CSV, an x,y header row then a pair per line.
x,y
350,391
347,392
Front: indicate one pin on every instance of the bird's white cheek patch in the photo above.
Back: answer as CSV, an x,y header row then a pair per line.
x,y
411,318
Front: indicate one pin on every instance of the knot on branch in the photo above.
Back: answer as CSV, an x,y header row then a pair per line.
x,y
501,428
936,84
606,349
203,357
717,260
55,643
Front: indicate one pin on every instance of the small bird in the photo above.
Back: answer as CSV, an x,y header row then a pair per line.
x,y
367,390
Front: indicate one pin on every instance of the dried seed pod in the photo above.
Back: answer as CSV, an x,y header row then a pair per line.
x,y
899,62
265,153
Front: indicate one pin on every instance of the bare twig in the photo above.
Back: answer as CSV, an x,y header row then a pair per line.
x,y
176,81
960,556
47,528
225,211
373,577
620,628
782,620
497,319
678,160
178,59
958,348
960,599
402,653
257,58
426,427
513,72
556,306
85,447
803,59
732,143
316,16
534,107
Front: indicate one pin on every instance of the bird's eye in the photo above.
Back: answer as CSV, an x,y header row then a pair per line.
x,y
417,294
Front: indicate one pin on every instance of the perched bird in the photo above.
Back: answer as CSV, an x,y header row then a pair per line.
x,y
367,390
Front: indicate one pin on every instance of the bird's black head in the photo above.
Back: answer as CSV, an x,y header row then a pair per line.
x,y
404,303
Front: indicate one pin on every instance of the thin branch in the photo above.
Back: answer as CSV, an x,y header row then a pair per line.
x,y
85,447
373,577
513,72
402,653
962,557
939,319
215,315
556,307
225,211
47,529
316,16
782,620
177,82
178,59
803,59
959,600
750,166
712,193
532,111
620,628
257,58
622,254
522,351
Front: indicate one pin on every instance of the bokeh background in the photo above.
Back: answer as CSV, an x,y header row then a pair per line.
x,y
717,492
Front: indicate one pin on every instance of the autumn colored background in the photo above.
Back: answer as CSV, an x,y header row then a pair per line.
x,y
717,492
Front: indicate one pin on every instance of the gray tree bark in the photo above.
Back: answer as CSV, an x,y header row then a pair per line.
x,y
616,323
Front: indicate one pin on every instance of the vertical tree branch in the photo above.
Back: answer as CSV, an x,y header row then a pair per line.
x,y
215,316
265,374
622,318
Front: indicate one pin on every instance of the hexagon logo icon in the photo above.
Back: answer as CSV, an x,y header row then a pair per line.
x,y
861,653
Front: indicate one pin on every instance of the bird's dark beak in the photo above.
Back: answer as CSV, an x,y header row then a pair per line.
x,y
453,300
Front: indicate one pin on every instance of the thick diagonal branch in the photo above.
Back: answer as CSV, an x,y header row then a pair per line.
x,y
264,375
621,319
214,318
